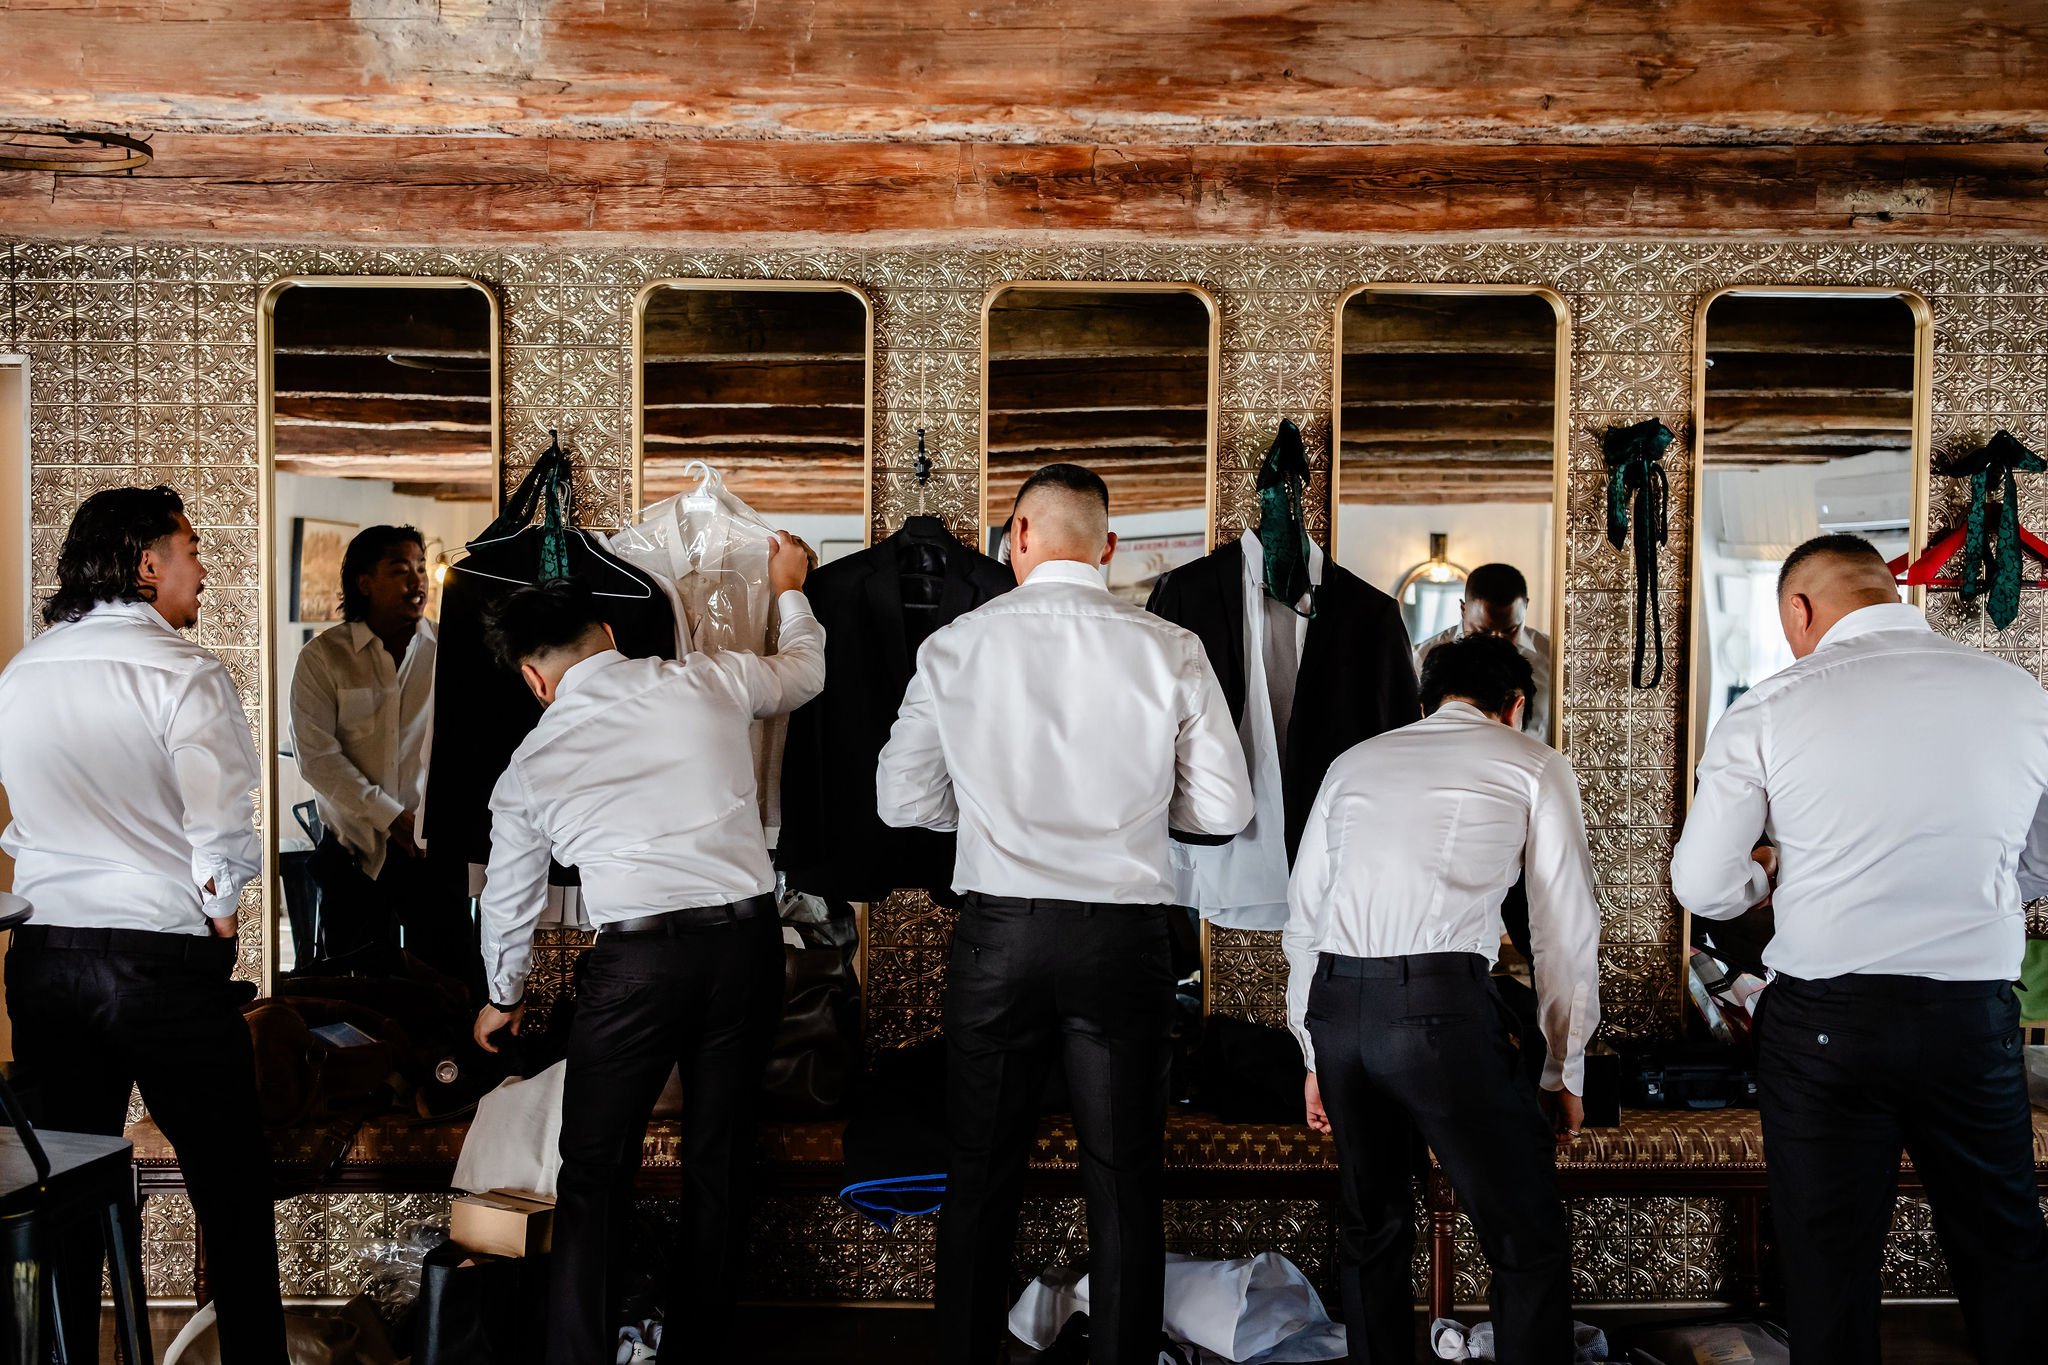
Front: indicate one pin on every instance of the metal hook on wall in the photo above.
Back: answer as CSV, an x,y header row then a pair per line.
x,y
921,471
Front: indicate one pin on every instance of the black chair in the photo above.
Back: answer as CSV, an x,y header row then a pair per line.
x,y
62,1180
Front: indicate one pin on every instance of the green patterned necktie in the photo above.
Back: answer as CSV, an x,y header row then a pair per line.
x,y
1992,563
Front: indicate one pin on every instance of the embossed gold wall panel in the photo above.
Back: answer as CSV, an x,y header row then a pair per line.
x,y
144,368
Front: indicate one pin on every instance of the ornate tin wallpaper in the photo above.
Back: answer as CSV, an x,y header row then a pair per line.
x,y
144,369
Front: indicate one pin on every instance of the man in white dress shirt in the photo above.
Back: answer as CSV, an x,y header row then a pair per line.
x,y
1496,602
640,773
1394,925
1902,781
127,760
1060,730
362,717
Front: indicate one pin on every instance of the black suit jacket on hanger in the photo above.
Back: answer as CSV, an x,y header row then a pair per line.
x,y
833,843
1357,668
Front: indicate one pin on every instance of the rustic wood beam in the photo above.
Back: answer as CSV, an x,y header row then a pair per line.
x,y
429,190
1308,71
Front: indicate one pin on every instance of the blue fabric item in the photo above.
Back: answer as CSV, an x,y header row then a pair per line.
x,y
882,1202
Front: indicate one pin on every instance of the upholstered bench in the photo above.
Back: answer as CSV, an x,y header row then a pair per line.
x,y
1653,1152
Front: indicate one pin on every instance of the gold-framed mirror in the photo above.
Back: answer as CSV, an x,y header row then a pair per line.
x,y
379,408
1811,415
1449,408
771,384
1121,377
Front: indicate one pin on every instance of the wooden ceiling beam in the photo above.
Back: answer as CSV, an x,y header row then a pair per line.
x,y
788,70
429,190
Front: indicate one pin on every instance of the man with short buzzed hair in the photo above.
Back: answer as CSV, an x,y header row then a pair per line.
x,y
1061,731
1901,780
1496,602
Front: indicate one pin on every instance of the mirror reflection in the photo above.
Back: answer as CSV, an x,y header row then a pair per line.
x,y
1806,427
1448,408
1121,380
766,383
383,454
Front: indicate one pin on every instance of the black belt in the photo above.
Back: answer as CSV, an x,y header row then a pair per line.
x,y
201,948
695,917
1404,967
977,900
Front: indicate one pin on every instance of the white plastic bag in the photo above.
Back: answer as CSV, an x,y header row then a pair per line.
x,y
515,1141
1251,1309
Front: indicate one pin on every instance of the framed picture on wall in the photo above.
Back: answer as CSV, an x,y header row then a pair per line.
x,y
317,547
1141,561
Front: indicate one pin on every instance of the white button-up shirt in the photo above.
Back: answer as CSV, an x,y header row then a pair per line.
x,y
361,724
641,776
128,764
1902,777
1413,841
1061,730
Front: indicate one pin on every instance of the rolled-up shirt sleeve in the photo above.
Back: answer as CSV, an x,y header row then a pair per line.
x,y
316,745
913,787
1308,895
1712,874
515,888
214,765
1564,925
1212,789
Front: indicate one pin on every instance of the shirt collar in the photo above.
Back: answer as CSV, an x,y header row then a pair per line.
x,y
137,611
1255,559
1869,620
586,669
361,637
1462,710
1067,571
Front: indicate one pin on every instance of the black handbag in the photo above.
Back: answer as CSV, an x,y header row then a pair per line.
x,y
476,1309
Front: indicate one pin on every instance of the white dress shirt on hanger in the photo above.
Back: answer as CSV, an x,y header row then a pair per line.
x,y
1243,884
1414,839
361,724
1904,779
1061,730
127,761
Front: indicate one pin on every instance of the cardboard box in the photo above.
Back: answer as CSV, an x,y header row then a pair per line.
x,y
503,1222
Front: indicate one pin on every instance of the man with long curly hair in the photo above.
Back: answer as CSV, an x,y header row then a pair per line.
x,y
127,761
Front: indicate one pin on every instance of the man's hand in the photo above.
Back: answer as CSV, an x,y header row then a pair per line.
x,y
1313,1093
1566,1112
403,837
1766,857
789,562
222,927
490,1019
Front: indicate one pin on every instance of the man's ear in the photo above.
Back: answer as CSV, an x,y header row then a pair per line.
x,y
1517,713
610,634
149,569
1020,534
1109,550
537,683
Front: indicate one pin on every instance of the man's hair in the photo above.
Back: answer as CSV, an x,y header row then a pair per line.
x,y
1485,670
101,557
1839,546
539,620
1070,478
363,555
1500,585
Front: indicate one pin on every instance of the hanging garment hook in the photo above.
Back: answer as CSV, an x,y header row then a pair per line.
x,y
921,470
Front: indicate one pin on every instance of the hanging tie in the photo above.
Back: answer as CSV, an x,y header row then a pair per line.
x,y
1991,563
1283,533
1635,475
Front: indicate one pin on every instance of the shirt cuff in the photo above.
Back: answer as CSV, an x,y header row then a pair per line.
x,y
383,808
227,887
794,603
1569,1074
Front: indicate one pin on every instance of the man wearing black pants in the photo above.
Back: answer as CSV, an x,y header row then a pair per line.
x,y
641,774
1060,730
127,761
1394,922
1902,780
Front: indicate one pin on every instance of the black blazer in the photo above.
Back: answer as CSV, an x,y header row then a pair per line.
x,y
1357,668
833,843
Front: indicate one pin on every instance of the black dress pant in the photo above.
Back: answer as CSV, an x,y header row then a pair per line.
x,y
98,1011
1029,982
1417,1046
419,903
1854,1069
707,998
